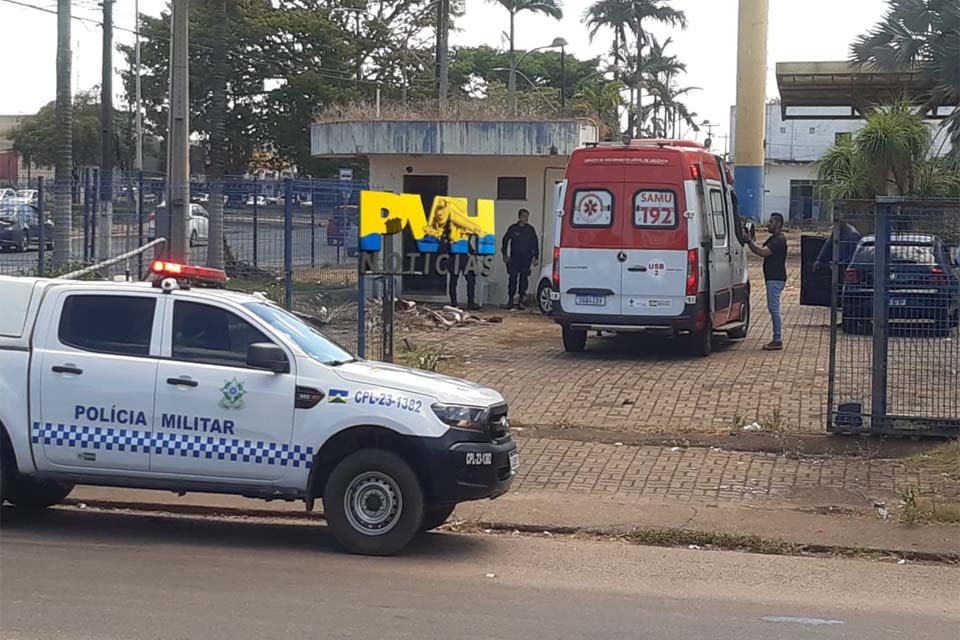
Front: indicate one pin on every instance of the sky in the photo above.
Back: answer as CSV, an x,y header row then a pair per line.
x,y
800,30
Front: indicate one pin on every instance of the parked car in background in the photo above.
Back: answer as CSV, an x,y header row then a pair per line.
x,y
197,225
201,198
545,289
260,201
923,285
28,196
339,225
20,227
7,193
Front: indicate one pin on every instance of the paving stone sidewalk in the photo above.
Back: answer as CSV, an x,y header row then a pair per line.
x,y
687,474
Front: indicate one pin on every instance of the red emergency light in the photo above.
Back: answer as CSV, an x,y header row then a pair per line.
x,y
189,272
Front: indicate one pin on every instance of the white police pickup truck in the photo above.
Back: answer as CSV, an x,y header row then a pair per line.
x,y
165,386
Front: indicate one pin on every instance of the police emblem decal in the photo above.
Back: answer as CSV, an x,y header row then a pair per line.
x,y
233,393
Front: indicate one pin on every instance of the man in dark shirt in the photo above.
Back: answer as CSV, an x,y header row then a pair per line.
x,y
521,250
774,254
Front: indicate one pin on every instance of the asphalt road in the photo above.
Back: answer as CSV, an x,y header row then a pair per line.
x,y
83,574
240,238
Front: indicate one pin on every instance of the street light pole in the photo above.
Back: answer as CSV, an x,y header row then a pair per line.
x,y
563,78
515,63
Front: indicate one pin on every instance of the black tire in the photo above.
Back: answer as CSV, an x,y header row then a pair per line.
x,y
701,342
740,334
543,298
30,494
194,239
378,481
433,518
24,243
574,340
955,319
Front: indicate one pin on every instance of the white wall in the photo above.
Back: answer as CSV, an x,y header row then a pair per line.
x,y
475,177
776,185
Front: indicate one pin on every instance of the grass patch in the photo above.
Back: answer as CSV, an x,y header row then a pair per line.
x,y
942,460
426,358
917,508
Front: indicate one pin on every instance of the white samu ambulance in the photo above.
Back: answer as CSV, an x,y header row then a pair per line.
x,y
163,386
650,241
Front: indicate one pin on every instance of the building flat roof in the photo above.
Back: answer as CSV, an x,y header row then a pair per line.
x,y
840,90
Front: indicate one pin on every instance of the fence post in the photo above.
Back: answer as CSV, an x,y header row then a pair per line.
x,y
86,213
95,214
140,224
834,302
388,285
256,234
42,221
361,306
313,227
287,243
881,328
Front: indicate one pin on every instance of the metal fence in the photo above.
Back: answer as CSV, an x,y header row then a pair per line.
x,y
895,342
295,240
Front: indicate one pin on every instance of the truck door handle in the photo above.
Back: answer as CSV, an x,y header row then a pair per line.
x,y
66,369
640,268
182,382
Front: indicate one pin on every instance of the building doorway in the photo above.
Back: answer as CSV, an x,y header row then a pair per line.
x,y
428,188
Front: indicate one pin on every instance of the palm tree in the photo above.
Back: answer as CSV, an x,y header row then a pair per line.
x,y
889,156
922,35
609,14
603,101
640,12
547,7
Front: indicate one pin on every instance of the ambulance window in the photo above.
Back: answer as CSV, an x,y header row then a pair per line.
x,y
211,335
119,325
719,218
655,209
592,208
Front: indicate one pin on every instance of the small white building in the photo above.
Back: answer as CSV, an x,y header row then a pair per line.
x,y
516,164
792,149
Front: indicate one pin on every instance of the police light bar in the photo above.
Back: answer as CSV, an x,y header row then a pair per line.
x,y
189,272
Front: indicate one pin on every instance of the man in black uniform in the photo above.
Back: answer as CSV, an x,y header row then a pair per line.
x,y
521,250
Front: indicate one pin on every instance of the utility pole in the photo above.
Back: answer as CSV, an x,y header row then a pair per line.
x,y
751,105
178,151
62,214
106,135
443,50
136,62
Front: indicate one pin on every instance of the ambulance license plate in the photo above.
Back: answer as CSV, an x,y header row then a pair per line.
x,y
514,461
591,301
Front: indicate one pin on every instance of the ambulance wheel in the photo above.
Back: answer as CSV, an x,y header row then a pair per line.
x,y
741,333
433,518
29,493
373,503
574,340
701,342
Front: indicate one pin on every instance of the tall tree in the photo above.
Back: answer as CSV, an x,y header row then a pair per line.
x,y
641,12
546,7
923,35
63,214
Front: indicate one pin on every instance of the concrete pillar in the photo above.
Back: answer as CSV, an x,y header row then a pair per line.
x,y
751,105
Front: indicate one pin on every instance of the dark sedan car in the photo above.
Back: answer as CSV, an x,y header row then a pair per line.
x,y
20,227
923,285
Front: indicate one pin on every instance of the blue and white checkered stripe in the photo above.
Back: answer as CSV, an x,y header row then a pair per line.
x,y
173,444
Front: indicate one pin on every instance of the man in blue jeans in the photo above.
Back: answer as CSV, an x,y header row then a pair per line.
x,y
774,254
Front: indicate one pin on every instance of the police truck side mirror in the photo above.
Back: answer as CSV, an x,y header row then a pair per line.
x,y
267,356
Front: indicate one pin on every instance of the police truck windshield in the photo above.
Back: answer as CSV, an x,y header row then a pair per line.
x,y
315,344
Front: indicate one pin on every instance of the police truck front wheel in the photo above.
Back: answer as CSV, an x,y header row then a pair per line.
x,y
574,340
29,493
373,503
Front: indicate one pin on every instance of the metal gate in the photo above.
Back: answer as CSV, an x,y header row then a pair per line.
x,y
895,309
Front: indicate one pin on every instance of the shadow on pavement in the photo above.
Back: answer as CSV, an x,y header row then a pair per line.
x,y
99,527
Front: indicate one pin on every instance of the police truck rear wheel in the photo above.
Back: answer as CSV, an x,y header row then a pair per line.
x,y
574,340
30,493
433,518
373,503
